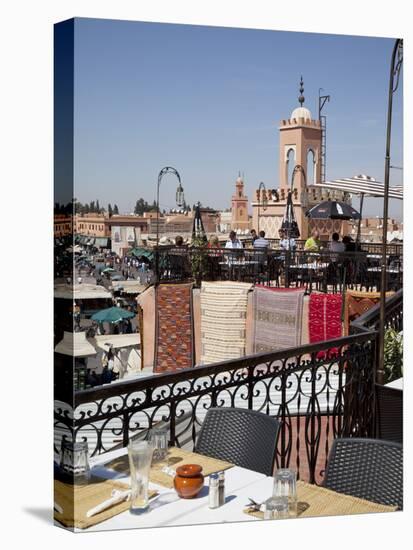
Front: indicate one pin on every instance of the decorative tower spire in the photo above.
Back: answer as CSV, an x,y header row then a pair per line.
x,y
301,98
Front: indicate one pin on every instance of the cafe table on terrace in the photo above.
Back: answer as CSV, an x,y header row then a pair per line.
x,y
167,509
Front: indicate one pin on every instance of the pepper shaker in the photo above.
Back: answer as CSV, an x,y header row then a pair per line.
x,y
213,491
221,488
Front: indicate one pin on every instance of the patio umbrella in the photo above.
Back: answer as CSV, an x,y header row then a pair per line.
x,y
289,223
333,210
112,315
198,231
141,253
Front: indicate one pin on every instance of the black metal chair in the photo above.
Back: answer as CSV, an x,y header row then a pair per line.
x,y
371,469
389,413
245,438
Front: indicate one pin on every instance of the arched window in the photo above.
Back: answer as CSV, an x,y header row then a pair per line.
x,y
290,162
240,212
311,172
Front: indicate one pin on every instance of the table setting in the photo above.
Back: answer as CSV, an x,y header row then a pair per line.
x,y
149,484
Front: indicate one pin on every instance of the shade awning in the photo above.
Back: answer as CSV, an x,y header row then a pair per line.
x,y
101,242
117,341
361,185
82,291
75,344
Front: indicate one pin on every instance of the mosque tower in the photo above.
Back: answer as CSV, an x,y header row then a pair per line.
x,y
300,143
239,207
300,138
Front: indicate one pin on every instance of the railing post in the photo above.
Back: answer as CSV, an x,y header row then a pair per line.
x,y
250,388
125,423
283,426
172,424
312,454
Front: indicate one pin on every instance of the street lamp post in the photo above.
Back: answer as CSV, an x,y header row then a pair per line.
x,y
395,67
179,202
297,168
264,202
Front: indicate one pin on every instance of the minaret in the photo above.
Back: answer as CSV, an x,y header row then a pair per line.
x,y
300,143
239,206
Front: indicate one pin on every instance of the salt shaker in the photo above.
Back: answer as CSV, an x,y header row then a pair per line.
x,y
213,491
221,488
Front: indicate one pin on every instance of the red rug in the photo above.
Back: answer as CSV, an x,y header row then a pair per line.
x,y
174,339
325,320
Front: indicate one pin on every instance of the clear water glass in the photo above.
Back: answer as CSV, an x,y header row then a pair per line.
x,y
285,485
140,459
158,439
276,508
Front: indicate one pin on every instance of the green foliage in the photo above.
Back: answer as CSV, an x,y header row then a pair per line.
x,y
115,209
199,258
393,355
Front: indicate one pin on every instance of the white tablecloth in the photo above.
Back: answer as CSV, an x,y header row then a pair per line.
x,y
168,509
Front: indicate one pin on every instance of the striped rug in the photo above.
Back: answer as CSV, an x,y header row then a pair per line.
x,y
174,338
277,318
223,320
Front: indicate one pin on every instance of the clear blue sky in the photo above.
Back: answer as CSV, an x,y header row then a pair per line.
x,y
208,102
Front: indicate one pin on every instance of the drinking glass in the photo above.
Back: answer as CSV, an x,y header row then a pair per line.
x,y
285,485
140,458
276,508
158,439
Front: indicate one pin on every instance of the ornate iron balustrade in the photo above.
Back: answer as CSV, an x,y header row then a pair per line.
x,y
318,392
324,270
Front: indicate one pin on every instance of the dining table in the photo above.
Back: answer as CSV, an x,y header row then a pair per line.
x,y
166,508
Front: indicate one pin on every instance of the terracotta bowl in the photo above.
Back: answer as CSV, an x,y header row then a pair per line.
x,y
188,480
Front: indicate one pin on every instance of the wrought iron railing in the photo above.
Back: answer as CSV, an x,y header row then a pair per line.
x,y
323,271
318,392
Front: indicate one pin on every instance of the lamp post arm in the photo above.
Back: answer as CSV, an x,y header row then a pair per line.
x,y
394,72
165,170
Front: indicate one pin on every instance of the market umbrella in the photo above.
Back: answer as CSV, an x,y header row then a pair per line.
x,y
198,231
289,223
141,253
333,210
112,315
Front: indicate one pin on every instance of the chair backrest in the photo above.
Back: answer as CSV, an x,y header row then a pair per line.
x,y
389,413
245,438
371,469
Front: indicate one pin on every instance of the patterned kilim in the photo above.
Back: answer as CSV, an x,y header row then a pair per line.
x,y
357,303
223,320
277,318
325,318
174,340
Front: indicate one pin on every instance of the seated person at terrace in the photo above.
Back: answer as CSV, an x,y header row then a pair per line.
x,y
179,241
313,243
261,242
213,242
335,245
254,235
350,245
233,241
285,242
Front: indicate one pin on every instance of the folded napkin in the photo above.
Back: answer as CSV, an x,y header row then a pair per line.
x,y
77,501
